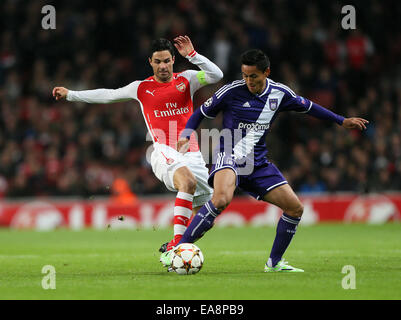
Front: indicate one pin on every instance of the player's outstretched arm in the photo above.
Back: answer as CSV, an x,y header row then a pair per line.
x,y
325,114
355,123
126,93
300,104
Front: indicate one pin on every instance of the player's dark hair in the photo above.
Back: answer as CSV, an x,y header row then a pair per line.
x,y
256,57
161,45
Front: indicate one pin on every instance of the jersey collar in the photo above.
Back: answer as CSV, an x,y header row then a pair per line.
x,y
267,89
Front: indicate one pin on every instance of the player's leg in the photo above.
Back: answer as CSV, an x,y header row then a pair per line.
x,y
185,182
285,198
197,185
163,247
224,185
223,179
171,168
203,191
195,210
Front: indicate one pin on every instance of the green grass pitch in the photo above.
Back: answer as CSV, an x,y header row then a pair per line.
x,y
124,264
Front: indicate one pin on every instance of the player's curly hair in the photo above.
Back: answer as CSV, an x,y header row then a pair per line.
x,y
161,45
256,57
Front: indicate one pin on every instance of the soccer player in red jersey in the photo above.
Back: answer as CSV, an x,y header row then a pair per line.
x,y
166,102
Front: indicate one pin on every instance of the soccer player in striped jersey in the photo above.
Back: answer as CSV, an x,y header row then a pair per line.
x,y
249,108
166,101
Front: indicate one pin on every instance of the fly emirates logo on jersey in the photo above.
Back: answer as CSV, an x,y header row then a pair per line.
x,y
171,110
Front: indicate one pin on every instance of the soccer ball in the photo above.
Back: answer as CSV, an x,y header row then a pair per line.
x,y
187,259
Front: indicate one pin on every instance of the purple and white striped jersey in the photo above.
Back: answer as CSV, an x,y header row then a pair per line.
x,y
247,117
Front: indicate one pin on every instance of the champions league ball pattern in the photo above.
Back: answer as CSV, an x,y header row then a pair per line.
x,y
187,259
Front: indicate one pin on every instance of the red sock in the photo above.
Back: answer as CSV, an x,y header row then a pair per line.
x,y
182,213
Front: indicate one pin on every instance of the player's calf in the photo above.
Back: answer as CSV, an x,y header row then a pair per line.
x,y
201,223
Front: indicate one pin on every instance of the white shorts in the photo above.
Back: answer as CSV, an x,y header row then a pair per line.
x,y
166,160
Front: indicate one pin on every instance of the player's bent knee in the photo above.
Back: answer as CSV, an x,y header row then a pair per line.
x,y
185,181
221,201
189,185
297,211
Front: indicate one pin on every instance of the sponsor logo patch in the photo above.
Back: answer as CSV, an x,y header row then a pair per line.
x,y
253,126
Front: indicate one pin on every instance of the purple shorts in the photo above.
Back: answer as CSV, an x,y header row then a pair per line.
x,y
263,179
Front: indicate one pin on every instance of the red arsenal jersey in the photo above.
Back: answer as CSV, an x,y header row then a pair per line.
x,y
166,108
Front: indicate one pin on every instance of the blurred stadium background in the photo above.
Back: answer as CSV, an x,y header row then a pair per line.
x,y
70,164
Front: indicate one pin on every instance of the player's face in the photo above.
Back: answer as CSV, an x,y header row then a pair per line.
x,y
162,64
254,78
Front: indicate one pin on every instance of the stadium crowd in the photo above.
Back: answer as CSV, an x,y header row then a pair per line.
x,y
50,148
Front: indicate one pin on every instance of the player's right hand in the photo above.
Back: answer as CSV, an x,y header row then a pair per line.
x,y
60,93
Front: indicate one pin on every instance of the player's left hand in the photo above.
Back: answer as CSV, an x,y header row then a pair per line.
x,y
355,123
183,45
